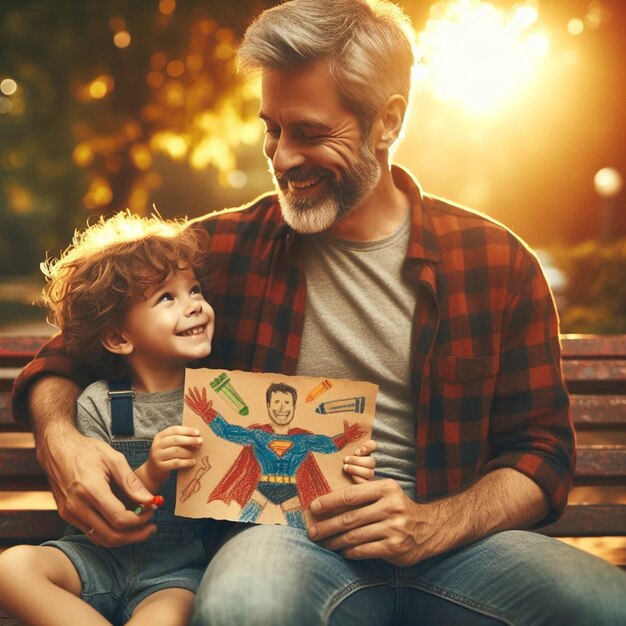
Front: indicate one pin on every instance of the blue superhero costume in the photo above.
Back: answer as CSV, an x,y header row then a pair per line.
x,y
279,466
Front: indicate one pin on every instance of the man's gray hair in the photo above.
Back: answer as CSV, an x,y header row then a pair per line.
x,y
369,47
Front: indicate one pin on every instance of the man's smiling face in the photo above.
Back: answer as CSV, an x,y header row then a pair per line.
x,y
322,165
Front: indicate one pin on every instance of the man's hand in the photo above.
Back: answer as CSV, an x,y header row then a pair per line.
x,y
81,471
375,520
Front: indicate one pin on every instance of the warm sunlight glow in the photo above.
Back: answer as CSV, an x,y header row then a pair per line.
x,y
478,55
171,144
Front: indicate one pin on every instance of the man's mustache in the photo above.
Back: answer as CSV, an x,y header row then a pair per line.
x,y
298,174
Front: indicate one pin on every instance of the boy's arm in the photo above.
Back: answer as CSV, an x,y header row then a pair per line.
x,y
82,469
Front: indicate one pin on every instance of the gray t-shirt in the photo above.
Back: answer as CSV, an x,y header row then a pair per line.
x,y
152,412
357,325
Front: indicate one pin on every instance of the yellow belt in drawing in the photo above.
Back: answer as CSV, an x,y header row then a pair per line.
x,y
277,478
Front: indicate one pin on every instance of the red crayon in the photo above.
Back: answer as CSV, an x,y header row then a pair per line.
x,y
157,502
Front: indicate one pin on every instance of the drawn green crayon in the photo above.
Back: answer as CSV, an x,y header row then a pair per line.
x,y
221,384
352,405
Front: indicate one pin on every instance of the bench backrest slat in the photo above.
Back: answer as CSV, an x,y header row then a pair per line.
x,y
590,410
594,346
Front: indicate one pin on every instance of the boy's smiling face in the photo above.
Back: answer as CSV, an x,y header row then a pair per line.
x,y
170,327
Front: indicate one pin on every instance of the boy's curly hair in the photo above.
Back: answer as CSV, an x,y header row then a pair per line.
x,y
107,267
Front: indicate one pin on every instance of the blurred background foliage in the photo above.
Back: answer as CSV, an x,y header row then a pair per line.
x,y
137,103
594,293
147,93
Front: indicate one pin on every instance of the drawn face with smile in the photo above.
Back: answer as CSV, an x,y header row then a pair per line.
x,y
281,407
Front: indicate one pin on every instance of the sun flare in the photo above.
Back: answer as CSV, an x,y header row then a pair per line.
x,y
477,55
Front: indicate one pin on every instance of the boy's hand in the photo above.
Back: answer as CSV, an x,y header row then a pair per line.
x,y
173,448
361,464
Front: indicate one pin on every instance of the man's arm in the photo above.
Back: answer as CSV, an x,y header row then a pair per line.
x,y
377,520
81,469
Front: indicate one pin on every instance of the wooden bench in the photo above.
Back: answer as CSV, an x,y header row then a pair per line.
x,y
595,519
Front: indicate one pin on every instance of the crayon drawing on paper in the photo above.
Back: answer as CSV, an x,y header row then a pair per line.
x,y
272,443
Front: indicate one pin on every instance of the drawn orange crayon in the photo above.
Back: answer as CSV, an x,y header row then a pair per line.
x,y
352,405
318,390
156,503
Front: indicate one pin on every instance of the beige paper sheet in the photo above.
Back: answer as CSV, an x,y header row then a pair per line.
x,y
229,470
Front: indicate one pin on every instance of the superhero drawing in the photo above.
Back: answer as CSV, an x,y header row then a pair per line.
x,y
272,472
276,464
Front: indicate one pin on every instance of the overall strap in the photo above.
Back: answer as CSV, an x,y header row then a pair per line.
x,y
121,395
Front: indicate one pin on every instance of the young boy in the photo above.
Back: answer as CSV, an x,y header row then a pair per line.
x,y
127,298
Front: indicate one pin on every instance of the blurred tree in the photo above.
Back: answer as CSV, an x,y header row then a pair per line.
x,y
595,293
92,96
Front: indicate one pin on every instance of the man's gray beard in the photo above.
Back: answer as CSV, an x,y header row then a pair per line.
x,y
315,215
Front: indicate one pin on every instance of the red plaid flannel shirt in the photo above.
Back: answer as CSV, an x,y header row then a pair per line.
x,y
486,375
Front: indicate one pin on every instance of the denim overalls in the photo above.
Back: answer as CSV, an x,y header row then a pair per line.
x,y
115,580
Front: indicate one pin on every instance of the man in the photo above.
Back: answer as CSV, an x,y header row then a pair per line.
x,y
371,279
276,464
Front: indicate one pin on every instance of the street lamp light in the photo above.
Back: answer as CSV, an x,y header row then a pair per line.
x,y
608,185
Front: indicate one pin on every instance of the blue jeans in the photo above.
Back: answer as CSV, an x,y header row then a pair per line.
x,y
274,575
115,580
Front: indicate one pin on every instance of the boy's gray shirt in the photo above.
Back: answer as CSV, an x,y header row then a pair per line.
x,y
152,412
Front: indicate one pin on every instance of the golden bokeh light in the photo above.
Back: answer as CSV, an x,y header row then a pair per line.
x,y
83,155
6,106
167,7
195,62
8,86
175,68
169,143
99,194
138,199
174,94
575,27
98,88
141,156
237,179
19,198
477,55
122,39
597,14
155,79
158,61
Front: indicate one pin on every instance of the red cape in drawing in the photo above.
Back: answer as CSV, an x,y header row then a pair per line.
x,y
243,476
